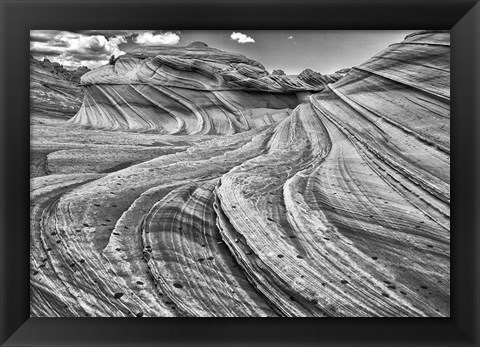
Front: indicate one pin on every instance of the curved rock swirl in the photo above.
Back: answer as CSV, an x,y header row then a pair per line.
x,y
312,195
189,90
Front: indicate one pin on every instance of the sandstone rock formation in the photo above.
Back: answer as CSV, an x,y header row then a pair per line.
x,y
278,72
190,90
58,70
54,90
193,183
55,96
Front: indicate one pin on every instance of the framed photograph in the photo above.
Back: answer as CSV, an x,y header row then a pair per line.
x,y
286,163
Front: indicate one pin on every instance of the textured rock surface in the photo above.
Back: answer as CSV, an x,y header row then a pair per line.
x,y
227,191
55,96
54,90
190,90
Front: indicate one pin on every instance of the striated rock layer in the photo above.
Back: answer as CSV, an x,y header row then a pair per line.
x,y
253,194
190,90
55,96
54,90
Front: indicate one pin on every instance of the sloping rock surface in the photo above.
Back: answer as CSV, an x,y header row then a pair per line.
x,y
55,96
54,90
228,191
190,90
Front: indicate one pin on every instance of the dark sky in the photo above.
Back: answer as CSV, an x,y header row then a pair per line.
x,y
291,51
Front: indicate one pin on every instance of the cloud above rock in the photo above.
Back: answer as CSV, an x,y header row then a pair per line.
x,y
92,48
241,38
73,49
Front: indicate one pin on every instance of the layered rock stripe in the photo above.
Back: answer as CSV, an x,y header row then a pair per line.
x,y
192,182
54,90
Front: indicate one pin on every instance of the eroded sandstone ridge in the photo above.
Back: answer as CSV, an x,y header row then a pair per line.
x,y
54,90
55,96
190,90
194,183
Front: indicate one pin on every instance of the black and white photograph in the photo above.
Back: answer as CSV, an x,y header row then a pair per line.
x,y
239,173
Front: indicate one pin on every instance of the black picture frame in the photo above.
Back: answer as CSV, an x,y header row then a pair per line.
x,y
17,17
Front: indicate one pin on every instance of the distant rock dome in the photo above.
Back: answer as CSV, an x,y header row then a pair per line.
x,y
278,72
197,44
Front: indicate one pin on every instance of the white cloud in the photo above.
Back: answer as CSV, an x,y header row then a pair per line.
x,y
241,38
148,38
74,49
290,37
91,48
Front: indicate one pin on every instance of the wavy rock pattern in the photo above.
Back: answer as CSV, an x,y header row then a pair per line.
x,y
54,90
228,191
190,90
55,96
